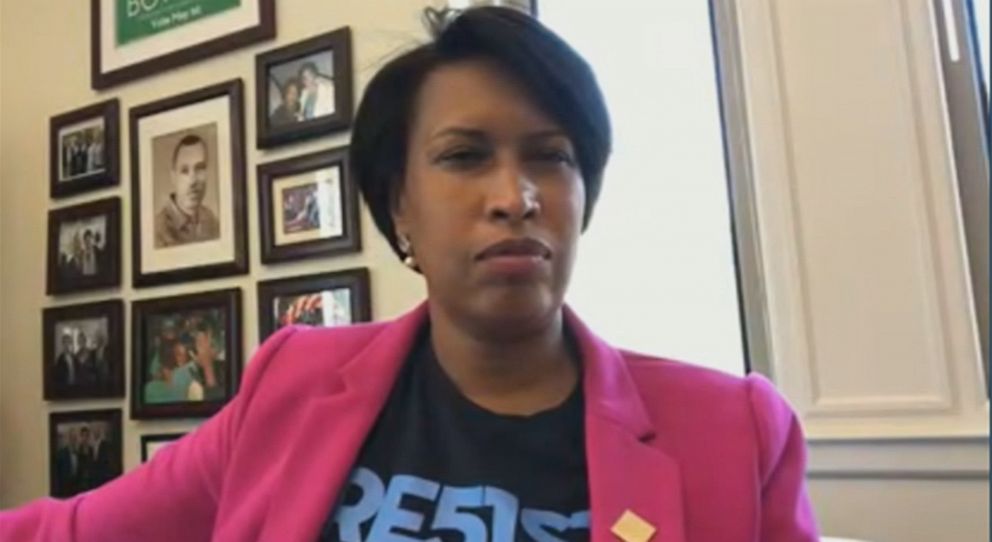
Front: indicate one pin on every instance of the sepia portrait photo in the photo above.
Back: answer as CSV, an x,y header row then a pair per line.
x,y
187,179
185,186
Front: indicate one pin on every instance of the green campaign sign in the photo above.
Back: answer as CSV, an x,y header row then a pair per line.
x,y
137,19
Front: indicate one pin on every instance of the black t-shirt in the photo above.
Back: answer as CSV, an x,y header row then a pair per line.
x,y
437,467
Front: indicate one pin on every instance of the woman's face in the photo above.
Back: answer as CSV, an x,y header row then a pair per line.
x,y
492,201
291,95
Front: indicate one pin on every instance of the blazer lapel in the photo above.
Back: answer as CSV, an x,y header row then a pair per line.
x,y
635,487
331,433
630,478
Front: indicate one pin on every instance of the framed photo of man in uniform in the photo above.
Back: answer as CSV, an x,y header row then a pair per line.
x,y
188,186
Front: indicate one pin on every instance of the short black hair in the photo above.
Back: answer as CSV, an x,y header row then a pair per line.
x,y
188,141
559,81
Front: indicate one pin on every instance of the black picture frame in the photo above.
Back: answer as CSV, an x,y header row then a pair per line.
x,y
148,440
238,264
67,272
90,373
338,42
174,57
144,311
270,174
109,112
355,280
68,476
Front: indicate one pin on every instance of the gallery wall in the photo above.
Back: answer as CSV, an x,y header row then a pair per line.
x,y
44,53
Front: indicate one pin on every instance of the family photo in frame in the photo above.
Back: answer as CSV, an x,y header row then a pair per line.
x,y
186,357
84,247
304,90
84,149
85,450
83,351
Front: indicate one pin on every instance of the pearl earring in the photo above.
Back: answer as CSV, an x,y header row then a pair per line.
x,y
407,249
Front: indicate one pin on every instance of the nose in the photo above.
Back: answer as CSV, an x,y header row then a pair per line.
x,y
513,196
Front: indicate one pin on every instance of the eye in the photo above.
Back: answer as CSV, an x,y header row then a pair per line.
x,y
553,156
463,157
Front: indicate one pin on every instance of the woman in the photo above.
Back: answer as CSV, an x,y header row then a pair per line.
x,y
172,377
289,110
490,412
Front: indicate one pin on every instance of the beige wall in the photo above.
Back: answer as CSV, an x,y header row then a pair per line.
x,y
44,52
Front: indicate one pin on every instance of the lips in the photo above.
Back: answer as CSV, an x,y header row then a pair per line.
x,y
523,247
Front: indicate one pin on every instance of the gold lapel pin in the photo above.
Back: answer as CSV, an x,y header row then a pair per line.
x,y
632,528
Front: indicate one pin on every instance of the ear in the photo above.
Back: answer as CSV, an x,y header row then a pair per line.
x,y
399,208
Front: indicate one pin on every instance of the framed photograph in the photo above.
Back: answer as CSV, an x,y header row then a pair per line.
x,y
131,39
84,149
304,90
186,357
188,187
151,444
328,299
84,450
83,351
84,247
309,207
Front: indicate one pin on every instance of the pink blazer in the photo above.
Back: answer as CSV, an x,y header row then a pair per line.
x,y
698,455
